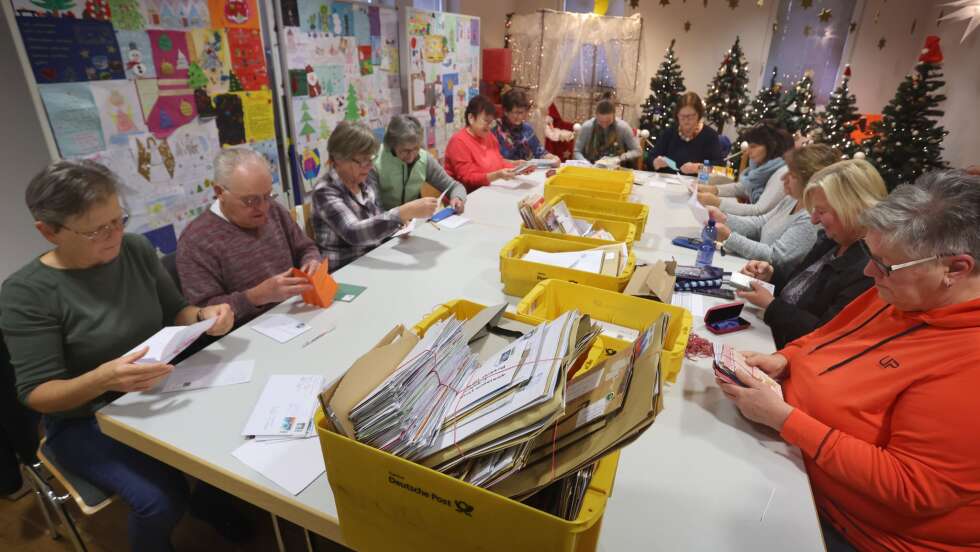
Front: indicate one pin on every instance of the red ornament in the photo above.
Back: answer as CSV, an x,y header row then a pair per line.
x,y
847,71
931,53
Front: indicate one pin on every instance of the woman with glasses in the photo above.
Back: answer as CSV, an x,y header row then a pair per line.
x,y
517,139
242,250
832,273
690,142
348,217
473,154
782,236
71,318
881,400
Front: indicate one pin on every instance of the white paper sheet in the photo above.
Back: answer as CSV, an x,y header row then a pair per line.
x,y
171,341
199,376
405,230
280,327
509,184
699,211
690,301
285,406
293,464
453,221
587,261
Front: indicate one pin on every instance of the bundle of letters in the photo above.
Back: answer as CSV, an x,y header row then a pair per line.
x,y
609,260
730,367
556,218
494,402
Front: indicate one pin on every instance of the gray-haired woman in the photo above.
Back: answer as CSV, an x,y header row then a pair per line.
x,y
71,319
403,166
348,217
881,400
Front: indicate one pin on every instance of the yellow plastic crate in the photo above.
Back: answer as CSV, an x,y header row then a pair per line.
x,y
606,209
549,299
599,183
519,276
621,232
388,503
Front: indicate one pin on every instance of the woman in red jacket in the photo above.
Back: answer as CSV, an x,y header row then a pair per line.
x,y
882,399
473,153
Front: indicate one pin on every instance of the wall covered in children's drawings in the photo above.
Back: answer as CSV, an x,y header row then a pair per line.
x,y
443,71
342,59
153,89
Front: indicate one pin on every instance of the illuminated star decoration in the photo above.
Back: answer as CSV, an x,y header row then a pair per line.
x,y
881,43
733,4
806,4
760,3
687,26
825,15
807,31
967,10
664,2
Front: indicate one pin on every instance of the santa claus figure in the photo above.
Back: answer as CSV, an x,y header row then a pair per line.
x,y
313,83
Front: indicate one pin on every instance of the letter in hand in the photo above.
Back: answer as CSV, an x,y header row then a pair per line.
x,y
758,295
458,205
760,270
225,318
125,375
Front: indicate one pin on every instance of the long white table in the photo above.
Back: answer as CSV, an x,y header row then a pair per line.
x,y
702,477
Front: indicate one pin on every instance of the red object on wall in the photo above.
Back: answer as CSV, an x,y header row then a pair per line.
x,y
496,65
564,150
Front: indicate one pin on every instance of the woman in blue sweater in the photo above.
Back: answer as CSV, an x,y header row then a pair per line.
x,y
691,142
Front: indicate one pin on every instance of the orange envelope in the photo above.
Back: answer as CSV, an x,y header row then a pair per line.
x,y
324,286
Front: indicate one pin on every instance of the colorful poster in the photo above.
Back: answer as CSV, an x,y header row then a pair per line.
x,y
374,18
364,60
258,116
119,110
362,26
312,14
137,54
210,60
68,9
167,104
171,57
270,150
248,58
74,118
127,15
332,78
234,14
341,20
69,50
434,48
230,119
177,14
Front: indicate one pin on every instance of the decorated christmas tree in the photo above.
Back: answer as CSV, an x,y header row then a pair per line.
x,y
353,112
126,15
97,9
665,90
196,77
909,141
307,131
840,117
234,85
728,93
766,103
799,109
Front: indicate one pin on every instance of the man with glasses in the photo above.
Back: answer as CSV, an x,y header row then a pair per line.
x,y
241,251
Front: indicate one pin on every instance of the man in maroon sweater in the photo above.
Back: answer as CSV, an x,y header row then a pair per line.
x,y
242,249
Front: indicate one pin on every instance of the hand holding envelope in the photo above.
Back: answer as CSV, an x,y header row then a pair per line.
x,y
324,286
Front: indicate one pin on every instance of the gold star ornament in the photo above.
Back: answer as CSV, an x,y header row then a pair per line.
x,y
825,15
881,43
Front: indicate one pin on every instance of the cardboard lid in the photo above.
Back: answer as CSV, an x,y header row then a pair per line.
x,y
653,281
720,313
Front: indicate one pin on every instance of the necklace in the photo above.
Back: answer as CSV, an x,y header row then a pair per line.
x,y
697,130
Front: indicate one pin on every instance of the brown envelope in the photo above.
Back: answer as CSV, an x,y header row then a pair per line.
x,y
654,282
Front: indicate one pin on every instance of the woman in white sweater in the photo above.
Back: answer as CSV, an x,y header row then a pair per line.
x,y
784,235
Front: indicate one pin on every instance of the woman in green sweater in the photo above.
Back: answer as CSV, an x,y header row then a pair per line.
x,y
403,166
70,319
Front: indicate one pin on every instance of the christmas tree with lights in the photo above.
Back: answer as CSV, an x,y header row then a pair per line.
x,y
908,140
665,91
766,103
728,93
798,106
840,117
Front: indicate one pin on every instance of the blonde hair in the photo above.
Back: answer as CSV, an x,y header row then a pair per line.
x,y
851,187
806,161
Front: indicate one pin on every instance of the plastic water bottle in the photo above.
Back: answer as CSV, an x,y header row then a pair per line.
x,y
704,173
706,251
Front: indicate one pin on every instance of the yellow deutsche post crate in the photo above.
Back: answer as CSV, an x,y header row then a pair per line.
x,y
388,503
549,299
519,276
600,183
620,231
606,209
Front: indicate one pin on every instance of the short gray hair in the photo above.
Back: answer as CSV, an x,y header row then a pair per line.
x,y
403,129
231,158
68,188
350,139
938,215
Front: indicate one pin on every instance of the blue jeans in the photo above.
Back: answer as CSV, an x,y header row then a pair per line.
x,y
157,494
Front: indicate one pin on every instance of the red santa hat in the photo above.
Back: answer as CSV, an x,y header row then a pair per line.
x,y
931,53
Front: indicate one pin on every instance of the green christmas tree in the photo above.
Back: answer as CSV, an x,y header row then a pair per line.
x,y
353,112
324,130
126,15
54,6
909,141
840,117
798,106
196,77
307,131
665,90
766,103
234,85
728,93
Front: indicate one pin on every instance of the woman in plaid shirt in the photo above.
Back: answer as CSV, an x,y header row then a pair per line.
x,y
347,215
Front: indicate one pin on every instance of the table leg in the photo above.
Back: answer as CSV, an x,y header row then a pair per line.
x,y
275,527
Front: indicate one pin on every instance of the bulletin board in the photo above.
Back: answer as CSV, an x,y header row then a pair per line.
x,y
442,71
153,89
343,64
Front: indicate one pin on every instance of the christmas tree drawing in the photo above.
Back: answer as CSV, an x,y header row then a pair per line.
x,y
126,15
196,77
728,93
909,141
307,131
234,85
324,130
353,112
840,117
665,90
799,107
55,7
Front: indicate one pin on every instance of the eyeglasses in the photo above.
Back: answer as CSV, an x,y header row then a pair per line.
x,y
252,201
104,231
887,269
363,162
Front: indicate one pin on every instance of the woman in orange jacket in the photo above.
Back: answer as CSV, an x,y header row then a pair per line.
x,y
882,400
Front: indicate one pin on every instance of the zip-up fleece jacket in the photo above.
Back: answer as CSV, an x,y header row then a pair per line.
x,y
888,418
